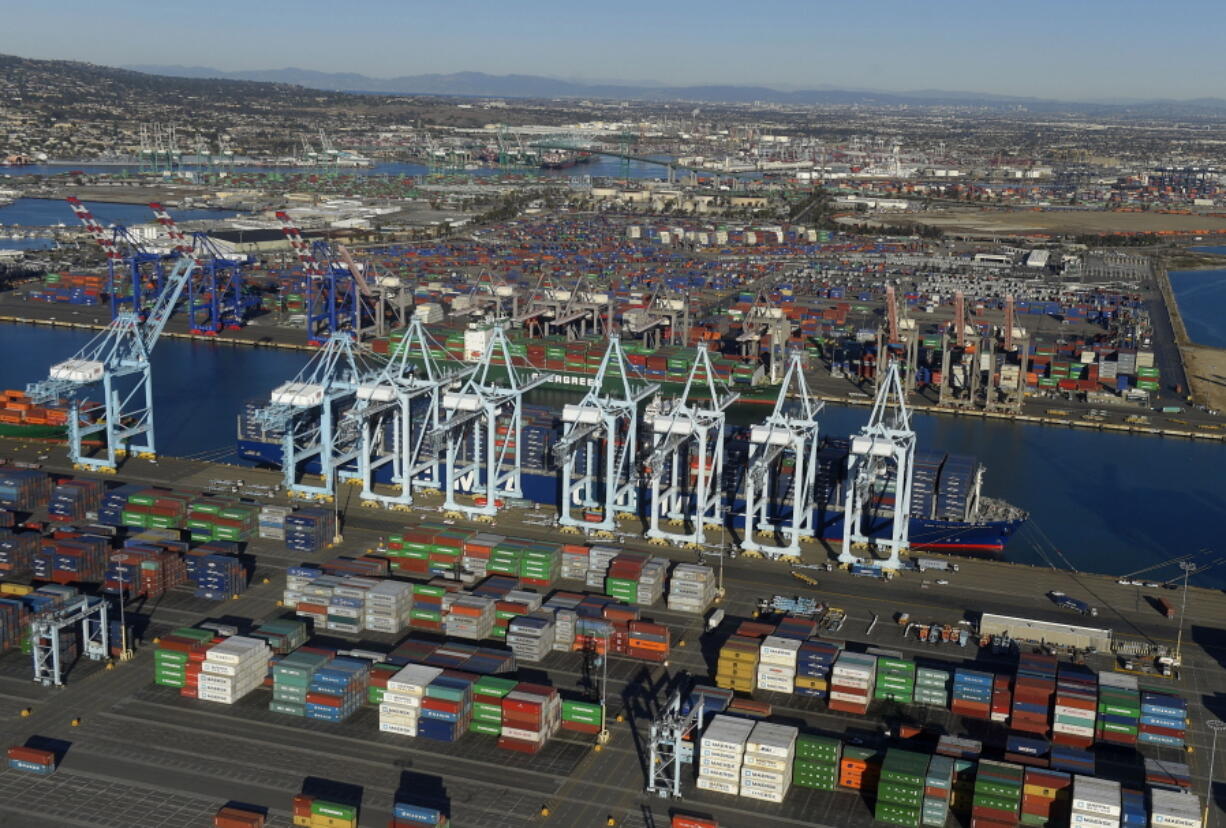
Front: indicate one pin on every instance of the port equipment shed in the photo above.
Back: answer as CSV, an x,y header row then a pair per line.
x,y
1048,632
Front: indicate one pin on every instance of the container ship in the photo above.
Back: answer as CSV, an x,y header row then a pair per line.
x,y
948,512
21,418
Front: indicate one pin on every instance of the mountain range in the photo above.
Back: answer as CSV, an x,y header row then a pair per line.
x,y
536,86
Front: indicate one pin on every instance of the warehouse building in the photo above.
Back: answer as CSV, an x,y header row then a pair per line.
x,y
1046,632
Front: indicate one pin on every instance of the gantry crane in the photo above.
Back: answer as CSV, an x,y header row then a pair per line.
x,y
664,311
899,339
90,612
601,431
216,297
309,412
335,301
118,360
884,448
764,319
671,742
688,439
959,380
401,407
135,275
476,414
790,432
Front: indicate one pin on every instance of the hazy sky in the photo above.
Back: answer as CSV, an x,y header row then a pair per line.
x,y
1074,49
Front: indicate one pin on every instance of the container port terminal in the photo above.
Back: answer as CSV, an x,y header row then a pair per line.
x,y
192,755
596,483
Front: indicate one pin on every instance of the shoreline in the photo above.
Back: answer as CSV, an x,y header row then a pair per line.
x,y
1199,362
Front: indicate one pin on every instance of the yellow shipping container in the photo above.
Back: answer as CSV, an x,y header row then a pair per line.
x,y
16,589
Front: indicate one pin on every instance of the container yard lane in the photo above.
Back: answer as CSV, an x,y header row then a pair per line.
x,y
141,754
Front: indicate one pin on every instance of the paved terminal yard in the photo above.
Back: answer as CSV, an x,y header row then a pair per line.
x,y
144,756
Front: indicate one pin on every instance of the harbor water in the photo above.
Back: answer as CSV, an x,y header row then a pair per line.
x,y
1101,502
1201,295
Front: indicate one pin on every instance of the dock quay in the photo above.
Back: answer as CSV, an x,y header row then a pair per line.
x,y
132,735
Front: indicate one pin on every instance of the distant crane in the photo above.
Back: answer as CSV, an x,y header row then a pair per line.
x,y
885,446
790,430
602,432
334,301
128,261
122,350
216,296
688,440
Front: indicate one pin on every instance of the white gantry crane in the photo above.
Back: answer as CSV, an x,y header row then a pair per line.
x,y
601,432
480,460
117,360
398,409
791,430
884,448
310,413
689,436
90,612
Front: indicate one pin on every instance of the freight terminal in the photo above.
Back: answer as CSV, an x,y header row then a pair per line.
x,y
118,728
406,613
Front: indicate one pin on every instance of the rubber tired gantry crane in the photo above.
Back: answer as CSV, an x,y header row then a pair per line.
x,y
690,435
401,407
602,431
492,470
884,447
790,432
118,360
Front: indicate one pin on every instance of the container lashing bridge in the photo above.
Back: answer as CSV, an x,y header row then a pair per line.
x,y
790,432
117,361
884,447
483,431
688,440
398,409
602,432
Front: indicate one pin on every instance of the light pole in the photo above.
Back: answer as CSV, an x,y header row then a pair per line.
x,y
603,736
124,652
1214,726
1188,568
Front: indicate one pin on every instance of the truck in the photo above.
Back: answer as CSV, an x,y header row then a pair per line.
x,y
1165,607
1075,604
866,570
925,564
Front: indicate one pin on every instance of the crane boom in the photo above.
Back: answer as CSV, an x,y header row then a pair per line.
x,y
107,243
303,250
181,244
358,276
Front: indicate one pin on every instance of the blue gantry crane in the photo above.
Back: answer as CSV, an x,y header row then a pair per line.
x,y
398,409
602,431
136,276
883,450
480,460
310,412
217,297
689,436
337,297
791,431
118,361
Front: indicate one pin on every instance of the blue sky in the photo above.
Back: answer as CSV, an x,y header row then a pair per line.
x,y
1074,49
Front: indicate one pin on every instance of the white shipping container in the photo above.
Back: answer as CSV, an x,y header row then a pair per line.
x,y
836,695
398,729
723,786
720,773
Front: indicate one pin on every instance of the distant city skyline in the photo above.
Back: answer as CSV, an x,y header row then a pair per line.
x,y
1086,50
